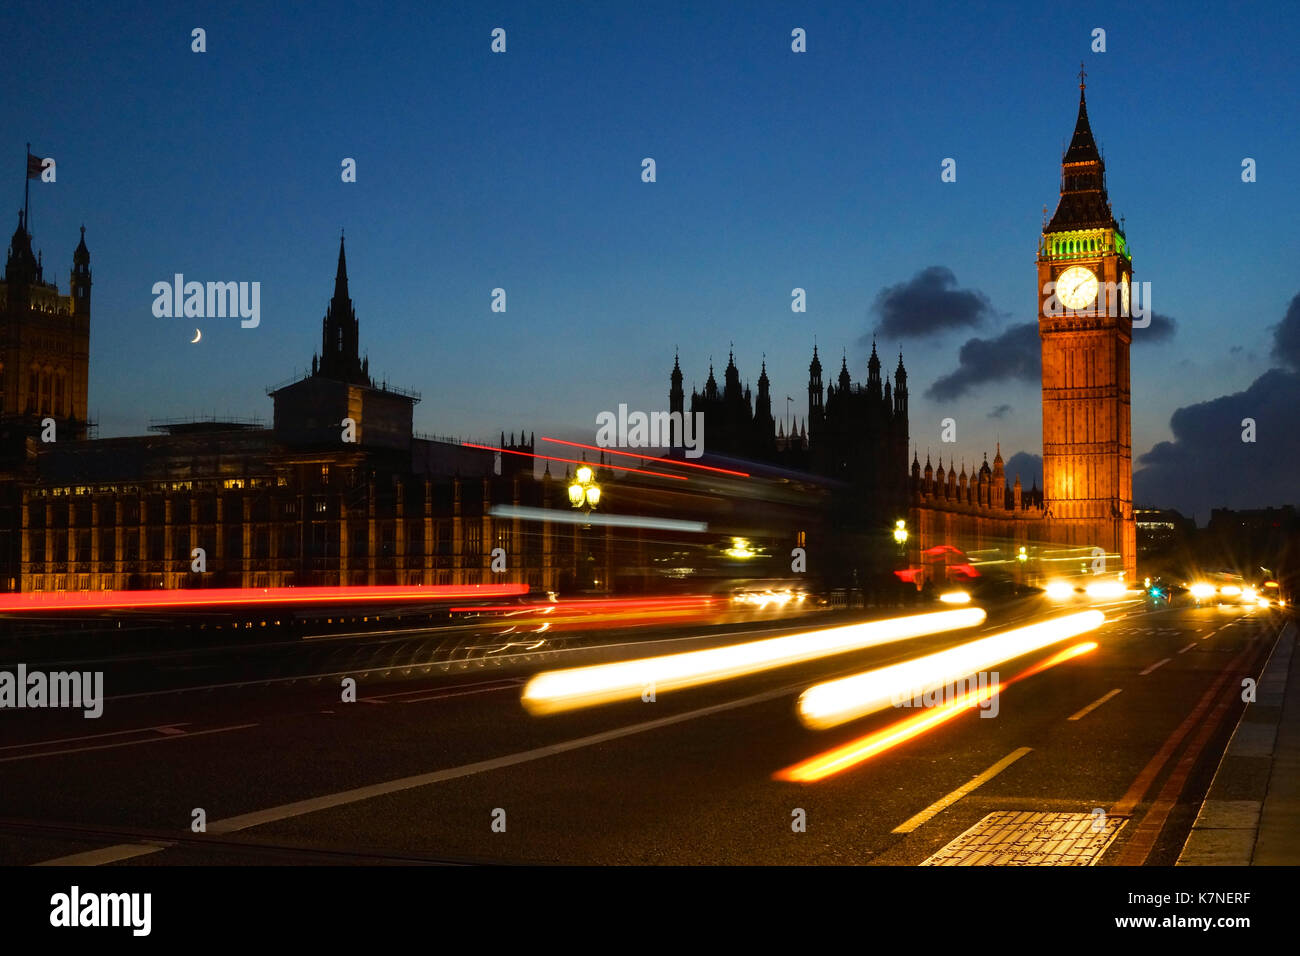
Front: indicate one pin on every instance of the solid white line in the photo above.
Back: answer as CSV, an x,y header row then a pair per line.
x,y
944,803
409,631
472,688
463,693
345,797
161,728
1094,705
1154,666
108,854
328,801
127,743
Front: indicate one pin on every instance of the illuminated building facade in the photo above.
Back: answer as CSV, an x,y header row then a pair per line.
x,y
44,370
977,512
1086,330
1087,498
235,504
44,342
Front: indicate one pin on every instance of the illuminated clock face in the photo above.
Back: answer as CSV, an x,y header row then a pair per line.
x,y
1123,292
1076,287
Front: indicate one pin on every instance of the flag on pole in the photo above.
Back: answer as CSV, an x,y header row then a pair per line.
x,y
35,166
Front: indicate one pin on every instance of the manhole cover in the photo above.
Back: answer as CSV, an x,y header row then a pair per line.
x,y
1024,838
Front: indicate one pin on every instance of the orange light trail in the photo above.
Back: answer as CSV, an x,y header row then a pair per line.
x,y
855,752
573,461
243,597
628,454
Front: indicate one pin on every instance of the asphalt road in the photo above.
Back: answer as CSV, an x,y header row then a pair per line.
x,y
434,752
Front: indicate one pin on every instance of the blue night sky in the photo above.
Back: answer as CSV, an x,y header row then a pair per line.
x,y
775,170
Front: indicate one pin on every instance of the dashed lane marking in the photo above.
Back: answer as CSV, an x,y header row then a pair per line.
x,y
907,826
1094,705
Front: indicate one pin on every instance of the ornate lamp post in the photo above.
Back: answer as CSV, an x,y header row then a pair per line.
x,y
900,533
900,538
584,494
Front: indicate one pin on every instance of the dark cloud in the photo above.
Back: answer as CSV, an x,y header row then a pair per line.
x,y
1000,411
1286,336
1161,329
928,304
1207,465
1028,467
1015,354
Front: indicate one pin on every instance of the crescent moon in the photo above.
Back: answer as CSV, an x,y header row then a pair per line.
x,y
198,334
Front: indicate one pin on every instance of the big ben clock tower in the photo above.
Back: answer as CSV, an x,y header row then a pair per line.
x,y
1084,277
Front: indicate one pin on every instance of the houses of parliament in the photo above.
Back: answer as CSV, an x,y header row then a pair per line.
x,y
858,433
293,505
289,505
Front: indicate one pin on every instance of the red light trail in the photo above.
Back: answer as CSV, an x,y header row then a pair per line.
x,y
243,597
573,461
627,454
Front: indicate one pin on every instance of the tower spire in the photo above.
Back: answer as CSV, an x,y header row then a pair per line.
x,y
340,357
341,274
1083,203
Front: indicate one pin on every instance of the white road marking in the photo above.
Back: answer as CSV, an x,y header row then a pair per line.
x,y
452,690
944,803
462,693
1094,705
108,854
1154,666
126,743
1187,648
163,728
345,797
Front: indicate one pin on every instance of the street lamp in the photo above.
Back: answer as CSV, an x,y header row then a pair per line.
x,y
900,532
1023,556
584,493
